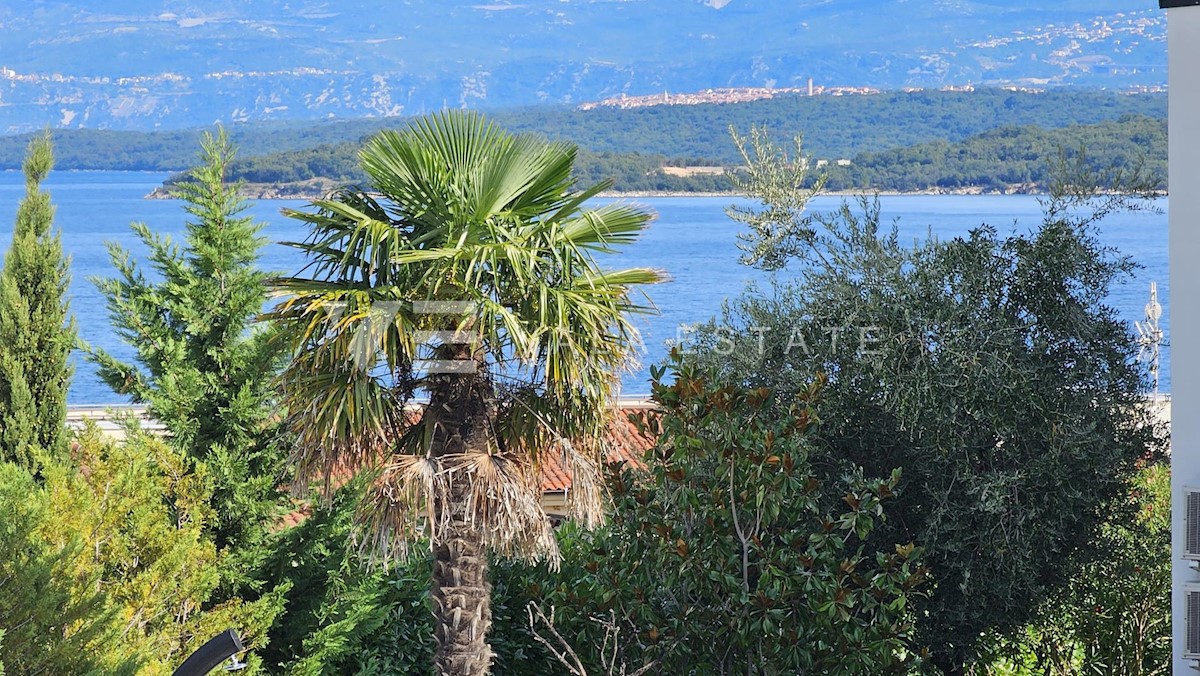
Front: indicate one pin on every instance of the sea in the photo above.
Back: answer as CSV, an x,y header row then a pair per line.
x,y
691,239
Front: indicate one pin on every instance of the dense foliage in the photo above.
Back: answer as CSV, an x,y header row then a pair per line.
x,y
172,150
687,578
54,619
1115,617
988,367
346,617
725,555
327,166
342,616
36,332
143,509
835,126
106,566
1009,158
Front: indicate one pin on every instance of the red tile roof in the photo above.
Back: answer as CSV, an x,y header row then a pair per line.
x,y
622,443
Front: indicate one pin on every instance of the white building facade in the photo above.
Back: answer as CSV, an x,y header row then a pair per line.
x,y
1183,39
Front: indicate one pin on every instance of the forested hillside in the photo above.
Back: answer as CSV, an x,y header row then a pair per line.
x,y
833,126
1012,158
1008,158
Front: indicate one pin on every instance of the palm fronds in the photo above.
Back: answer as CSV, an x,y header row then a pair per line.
x,y
458,210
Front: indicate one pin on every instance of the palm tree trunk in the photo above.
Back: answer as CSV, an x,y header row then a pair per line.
x,y
461,590
462,604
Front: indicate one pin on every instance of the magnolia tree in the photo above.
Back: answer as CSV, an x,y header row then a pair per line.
x,y
728,553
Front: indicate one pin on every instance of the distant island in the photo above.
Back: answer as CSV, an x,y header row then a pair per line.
x,y
1007,160
986,140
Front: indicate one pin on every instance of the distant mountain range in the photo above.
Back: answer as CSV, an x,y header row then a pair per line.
x,y
144,64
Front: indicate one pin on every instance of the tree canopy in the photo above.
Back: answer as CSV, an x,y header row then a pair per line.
x,y
202,369
987,366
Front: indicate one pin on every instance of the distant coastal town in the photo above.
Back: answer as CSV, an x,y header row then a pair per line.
x,y
746,94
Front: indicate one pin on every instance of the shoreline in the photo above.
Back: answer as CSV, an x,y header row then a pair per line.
x,y
267,192
319,188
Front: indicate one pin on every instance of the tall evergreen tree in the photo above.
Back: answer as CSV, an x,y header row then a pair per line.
x,y
202,372
36,331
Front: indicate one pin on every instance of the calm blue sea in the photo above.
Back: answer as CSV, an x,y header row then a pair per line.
x,y
691,239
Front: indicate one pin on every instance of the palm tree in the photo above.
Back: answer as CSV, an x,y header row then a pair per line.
x,y
466,273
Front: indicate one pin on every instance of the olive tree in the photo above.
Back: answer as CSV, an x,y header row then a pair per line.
x,y
987,366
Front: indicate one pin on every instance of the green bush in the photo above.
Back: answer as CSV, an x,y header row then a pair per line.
x,y
346,617
54,619
1116,616
723,557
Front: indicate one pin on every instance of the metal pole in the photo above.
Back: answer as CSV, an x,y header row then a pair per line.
x,y
210,655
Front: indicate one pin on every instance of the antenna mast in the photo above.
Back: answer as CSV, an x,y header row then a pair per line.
x,y
1150,335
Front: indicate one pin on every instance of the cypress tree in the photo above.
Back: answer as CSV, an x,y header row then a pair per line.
x,y
203,372
36,330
